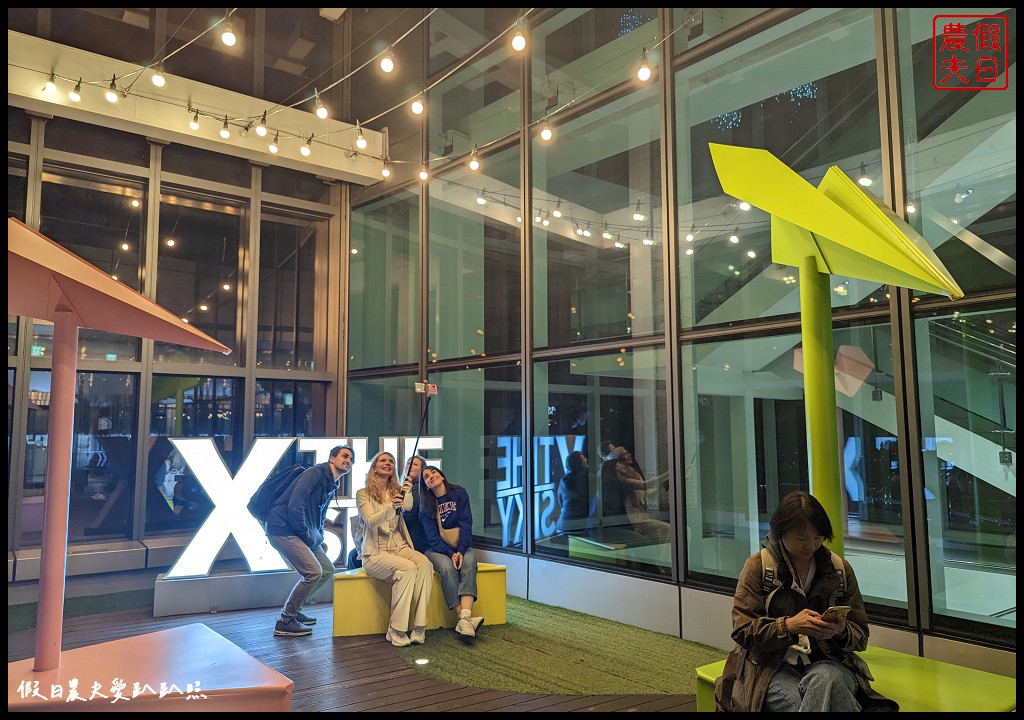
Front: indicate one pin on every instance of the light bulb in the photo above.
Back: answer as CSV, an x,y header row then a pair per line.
x,y
158,76
112,90
360,140
51,83
637,214
227,33
387,61
261,126
225,131
194,122
386,170
76,93
643,74
424,173
557,212
735,237
864,180
320,108
519,41
417,106
474,161
545,132
306,150
273,144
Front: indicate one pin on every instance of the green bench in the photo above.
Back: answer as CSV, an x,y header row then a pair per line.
x,y
916,683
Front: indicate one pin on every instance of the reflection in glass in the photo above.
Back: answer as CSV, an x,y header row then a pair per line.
x,y
102,457
474,260
285,408
600,480
968,378
693,26
809,96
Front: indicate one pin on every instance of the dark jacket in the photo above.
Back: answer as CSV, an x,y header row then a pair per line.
x,y
456,514
574,498
302,509
412,520
759,652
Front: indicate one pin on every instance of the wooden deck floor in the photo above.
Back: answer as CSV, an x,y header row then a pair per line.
x,y
347,674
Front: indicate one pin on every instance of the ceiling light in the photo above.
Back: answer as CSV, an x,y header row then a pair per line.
x,y
51,83
158,75
474,161
319,107
194,122
387,61
643,73
360,140
261,126
273,144
112,90
227,32
307,149
225,131
864,180
417,105
76,93
385,171
637,214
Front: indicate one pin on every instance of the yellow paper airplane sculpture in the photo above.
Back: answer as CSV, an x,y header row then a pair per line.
x,y
836,228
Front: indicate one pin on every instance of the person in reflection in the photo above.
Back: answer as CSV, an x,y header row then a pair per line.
x,y
295,528
574,495
788,657
388,552
633,489
448,524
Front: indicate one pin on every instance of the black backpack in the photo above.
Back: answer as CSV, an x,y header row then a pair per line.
x,y
268,493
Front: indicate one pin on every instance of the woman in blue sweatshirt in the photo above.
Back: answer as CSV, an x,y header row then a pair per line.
x,y
447,521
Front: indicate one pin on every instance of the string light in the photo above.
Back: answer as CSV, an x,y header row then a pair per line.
x,y
273,145
643,73
261,126
637,214
424,173
557,212
319,107
112,90
194,122
417,105
864,180
227,32
306,149
385,171
76,93
474,161
51,83
225,131
387,60
158,75
545,132
519,40
360,140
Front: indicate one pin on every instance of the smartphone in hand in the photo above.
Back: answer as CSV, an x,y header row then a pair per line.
x,y
835,613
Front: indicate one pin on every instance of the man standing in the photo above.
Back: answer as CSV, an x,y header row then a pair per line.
x,y
295,528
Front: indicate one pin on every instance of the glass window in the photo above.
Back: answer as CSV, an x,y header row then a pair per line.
x,y
384,282
289,284
581,52
82,138
479,103
207,59
19,127
102,457
297,49
285,408
474,260
199,273
967,372
294,184
479,413
456,32
693,26
805,90
205,164
188,407
745,447
961,156
600,475
597,247
16,188
101,221
95,30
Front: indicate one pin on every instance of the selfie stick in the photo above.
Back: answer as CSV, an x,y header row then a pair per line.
x,y
429,389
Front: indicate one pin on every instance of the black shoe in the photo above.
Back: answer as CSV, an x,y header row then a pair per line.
x,y
304,618
291,628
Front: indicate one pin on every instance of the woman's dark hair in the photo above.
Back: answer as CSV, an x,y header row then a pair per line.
x,y
797,510
575,461
428,500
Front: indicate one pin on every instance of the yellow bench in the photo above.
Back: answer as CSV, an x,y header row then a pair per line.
x,y
362,604
918,684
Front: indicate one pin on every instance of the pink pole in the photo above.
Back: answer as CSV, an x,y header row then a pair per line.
x,y
57,498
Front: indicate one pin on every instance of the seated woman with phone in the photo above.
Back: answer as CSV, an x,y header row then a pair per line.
x,y
795,649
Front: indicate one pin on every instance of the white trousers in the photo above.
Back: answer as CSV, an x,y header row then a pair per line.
x,y
412,577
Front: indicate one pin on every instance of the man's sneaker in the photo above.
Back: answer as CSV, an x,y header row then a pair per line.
x,y
465,627
418,636
304,618
398,638
291,628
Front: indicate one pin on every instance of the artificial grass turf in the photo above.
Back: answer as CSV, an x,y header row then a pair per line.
x,y
23,616
551,650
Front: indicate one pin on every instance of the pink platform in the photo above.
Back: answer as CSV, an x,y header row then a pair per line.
x,y
190,661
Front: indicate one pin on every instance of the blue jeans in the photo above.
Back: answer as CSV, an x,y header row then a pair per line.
x,y
822,686
312,564
455,583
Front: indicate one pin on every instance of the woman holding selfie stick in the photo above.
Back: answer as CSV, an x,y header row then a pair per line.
x,y
791,656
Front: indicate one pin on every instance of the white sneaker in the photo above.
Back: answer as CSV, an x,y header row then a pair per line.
x,y
398,638
465,627
477,622
418,636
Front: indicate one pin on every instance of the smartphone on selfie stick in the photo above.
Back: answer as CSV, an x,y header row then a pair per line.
x,y
430,390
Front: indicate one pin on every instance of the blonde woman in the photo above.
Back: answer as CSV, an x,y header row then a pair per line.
x,y
388,551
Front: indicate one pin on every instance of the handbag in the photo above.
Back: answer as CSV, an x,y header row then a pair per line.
x,y
450,536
